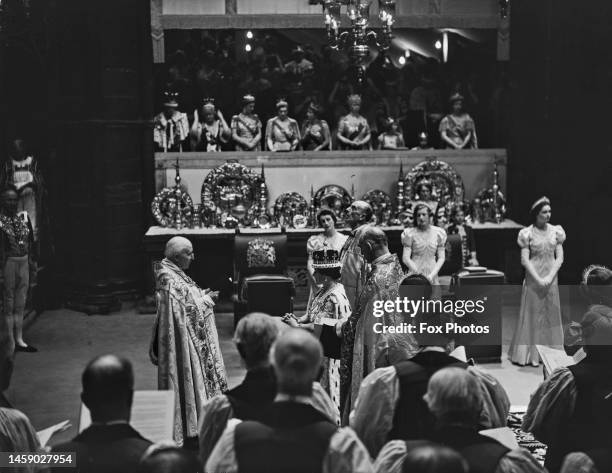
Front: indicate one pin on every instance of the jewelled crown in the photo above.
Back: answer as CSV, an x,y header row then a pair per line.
x,y
326,259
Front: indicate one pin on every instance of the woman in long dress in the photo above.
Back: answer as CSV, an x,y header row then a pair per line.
x,y
329,239
353,129
282,132
329,302
246,127
540,317
424,246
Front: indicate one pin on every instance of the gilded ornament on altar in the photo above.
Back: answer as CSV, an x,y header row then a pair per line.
x,y
173,207
434,183
381,205
235,190
491,202
334,197
288,207
261,253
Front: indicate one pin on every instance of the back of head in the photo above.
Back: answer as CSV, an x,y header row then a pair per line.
x,y
596,325
18,431
108,386
174,246
433,458
254,336
453,396
365,209
297,357
376,236
169,460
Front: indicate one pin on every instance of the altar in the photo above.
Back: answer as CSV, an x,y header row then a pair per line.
x,y
213,247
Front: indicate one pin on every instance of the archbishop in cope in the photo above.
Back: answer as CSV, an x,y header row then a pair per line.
x,y
185,344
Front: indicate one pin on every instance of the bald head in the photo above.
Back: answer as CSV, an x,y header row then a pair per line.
x,y
179,250
254,336
297,357
108,387
360,212
373,243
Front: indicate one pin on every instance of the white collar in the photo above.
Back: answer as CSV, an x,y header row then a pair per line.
x,y
281,397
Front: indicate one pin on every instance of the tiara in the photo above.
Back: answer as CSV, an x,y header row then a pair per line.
x,y
455,97
541,201
326,259
248,98
354,98
587,272
281,102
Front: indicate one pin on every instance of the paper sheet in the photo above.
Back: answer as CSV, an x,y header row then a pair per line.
x,y
503,435
554,358
152,415
45,435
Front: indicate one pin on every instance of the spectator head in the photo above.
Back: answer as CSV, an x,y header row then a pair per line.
x,y
298,53
170,102
248,104
541,211
453,397
209,111
421,215
297,357
359,213
391,125
354,103
19,149
424,190
423,140
282,108
456,101
10,199
327,219
179,250
254,336
433,458
313,111
458,214
596,285
160,458
373,243
596,325
17,431
108,388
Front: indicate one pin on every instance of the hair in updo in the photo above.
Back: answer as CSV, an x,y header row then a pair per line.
x,y
324,212
537,207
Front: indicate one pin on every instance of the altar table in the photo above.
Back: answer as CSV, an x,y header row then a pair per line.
x,y
213,266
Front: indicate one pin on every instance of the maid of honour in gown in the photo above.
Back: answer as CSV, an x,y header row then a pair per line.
x,y
540,314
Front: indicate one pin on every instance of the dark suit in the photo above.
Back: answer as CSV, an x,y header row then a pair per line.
x,y
113,448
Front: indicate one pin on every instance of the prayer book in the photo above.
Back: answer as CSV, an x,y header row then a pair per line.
x,y
152,415
553,358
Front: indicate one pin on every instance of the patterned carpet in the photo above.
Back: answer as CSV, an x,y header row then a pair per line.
x,y
525,439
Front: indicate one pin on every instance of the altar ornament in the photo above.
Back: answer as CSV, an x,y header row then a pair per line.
x,y
173,207
291,210
400,210
336,198
492,201
381,206
238,193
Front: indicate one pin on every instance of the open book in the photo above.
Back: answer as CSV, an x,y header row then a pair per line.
x,y
554,358
152,415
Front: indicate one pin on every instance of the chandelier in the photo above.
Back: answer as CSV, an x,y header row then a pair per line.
x,y
356,40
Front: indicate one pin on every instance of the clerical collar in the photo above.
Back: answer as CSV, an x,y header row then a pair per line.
x,y
282,397
380,258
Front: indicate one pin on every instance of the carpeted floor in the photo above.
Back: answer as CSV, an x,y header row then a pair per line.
x,y
46,385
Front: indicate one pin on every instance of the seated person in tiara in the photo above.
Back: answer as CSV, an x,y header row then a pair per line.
x,y
212,132
170,127
392,137
459,227
423,143
315,131
246,127
353,129
282,132
329,302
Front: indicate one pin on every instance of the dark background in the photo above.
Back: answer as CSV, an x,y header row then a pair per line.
x,y
76,82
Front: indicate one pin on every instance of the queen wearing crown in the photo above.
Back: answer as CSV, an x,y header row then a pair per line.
x,y
329,302
170,127
353,129
282,132
210,133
